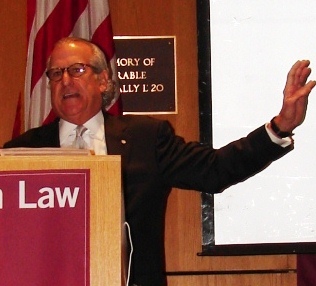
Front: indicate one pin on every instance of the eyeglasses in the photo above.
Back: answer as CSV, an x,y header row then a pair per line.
x,y
76,70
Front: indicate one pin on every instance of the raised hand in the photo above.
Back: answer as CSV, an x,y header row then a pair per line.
x,y
295,98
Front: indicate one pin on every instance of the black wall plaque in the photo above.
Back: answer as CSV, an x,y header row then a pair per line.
x,y
147,74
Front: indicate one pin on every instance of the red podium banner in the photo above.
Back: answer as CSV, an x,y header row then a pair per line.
x,y
44,227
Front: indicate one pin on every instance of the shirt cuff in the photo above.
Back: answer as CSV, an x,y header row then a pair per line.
x,y
284,142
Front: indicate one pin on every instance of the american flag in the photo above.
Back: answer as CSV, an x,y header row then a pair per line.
x,y
49,21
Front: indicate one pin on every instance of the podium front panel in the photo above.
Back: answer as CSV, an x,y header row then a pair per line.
x,y
61,220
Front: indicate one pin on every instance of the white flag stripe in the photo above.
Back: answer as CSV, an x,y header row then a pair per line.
x,y
38,112
43,10
97,12
82,27
35,114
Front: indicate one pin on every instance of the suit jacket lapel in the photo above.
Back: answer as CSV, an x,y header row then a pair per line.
x,y
118,142
49,135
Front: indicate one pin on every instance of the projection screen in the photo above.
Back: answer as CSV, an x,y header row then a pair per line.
x,y
253,46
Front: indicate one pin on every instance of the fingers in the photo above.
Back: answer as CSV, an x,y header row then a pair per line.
x,y
294,75
310,85
302,93
304,90
302,75
296,94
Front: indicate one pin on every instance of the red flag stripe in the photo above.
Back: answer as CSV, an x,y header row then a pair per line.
x,y
103,37
18,118
54,28
31,9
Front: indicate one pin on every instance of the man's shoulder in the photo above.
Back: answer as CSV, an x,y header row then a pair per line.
x,y
139,125
43,136
134,118
131,120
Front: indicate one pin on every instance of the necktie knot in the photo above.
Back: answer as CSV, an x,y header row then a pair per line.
x,y
79,142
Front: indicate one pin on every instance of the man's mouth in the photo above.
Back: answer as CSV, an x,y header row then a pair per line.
x,y
71,95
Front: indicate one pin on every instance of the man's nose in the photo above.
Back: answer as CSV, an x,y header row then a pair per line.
x,y
66,79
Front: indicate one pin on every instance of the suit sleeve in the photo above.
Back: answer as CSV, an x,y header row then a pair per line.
x,y
193,166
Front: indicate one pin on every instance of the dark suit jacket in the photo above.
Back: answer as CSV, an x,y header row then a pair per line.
x,y
154,160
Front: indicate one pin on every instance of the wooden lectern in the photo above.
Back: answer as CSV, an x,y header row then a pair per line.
x,y
22,175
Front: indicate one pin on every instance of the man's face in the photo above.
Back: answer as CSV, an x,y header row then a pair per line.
x,y
76,99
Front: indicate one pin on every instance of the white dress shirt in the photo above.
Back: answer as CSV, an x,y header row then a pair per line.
x,y
284,142
94,137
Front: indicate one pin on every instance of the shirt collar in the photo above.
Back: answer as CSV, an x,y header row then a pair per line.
x,y
95,126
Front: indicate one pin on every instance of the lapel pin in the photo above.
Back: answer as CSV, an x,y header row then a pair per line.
x,y
123,141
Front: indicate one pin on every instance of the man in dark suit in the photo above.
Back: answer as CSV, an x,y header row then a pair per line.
x,y
154,159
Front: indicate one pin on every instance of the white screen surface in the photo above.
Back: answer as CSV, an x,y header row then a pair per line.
x,y
253,46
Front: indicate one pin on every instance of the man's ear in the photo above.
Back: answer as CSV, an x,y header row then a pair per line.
x,y
103,77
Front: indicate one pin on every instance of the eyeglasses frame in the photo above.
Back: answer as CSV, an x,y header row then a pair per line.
x,y
95,69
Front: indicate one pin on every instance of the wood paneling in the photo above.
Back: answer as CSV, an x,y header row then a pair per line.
x,y
288,279
12,62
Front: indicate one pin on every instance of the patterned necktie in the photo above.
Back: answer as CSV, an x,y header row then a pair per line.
x,y
79,143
